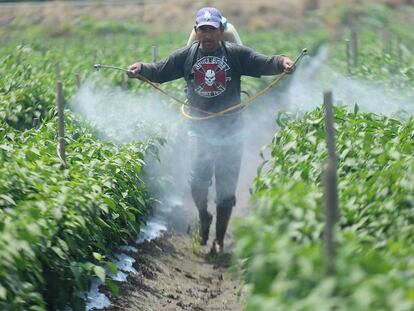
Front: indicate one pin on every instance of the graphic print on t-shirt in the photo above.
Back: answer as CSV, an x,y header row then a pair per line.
x,y
210,76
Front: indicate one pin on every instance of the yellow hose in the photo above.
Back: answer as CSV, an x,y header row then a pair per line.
x,y
227,111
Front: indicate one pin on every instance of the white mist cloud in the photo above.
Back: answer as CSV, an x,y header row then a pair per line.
x,y
123,116
119,114
313,77
304,93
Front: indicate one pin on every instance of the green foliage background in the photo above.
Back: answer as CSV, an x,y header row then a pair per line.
x,y
58,226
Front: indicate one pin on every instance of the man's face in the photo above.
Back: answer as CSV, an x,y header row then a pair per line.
x,y
209,37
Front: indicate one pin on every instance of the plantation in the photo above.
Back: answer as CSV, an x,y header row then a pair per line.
x,y
284,259
61,221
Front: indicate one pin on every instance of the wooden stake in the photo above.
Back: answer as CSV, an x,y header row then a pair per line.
x,y
103,60
58,75
354,38
60,106
387,41
113,46
348,54
399,52
78,80
36,122
331,189
154,53
141,11
95,57
124,82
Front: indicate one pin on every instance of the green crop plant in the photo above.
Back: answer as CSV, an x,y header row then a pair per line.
x,y
58,227
280,245
374,62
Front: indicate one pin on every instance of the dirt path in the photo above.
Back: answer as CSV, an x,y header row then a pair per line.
x,y
173,274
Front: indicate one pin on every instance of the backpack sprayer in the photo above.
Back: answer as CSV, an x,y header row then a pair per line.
x,y
208,114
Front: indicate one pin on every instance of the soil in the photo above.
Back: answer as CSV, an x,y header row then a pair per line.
x,y
176,274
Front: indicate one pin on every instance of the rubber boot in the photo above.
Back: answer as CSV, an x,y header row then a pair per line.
x,y
223,217
204,228
200,194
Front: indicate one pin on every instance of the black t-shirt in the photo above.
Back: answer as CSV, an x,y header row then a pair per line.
x,y
213,83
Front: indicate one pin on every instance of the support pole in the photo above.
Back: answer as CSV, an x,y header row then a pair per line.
x,y
354,39
95,56
58,74
331,188
387,41
399,52
154,53
124,82
60,107
78,80
36,122
348,55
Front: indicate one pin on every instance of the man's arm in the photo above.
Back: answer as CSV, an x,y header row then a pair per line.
x,y
168,69
256,64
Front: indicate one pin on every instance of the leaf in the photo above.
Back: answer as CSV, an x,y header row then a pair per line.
x,y
58,251
131,216
104,208
77,273
97,256
3,293
6,148
8,199
96,188
113,287
110,202
100,273
32,154
102,223
112,267
315,121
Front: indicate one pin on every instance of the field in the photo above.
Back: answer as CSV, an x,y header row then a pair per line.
x,y
63,216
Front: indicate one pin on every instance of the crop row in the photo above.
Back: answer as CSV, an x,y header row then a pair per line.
x,y
280,244
58,226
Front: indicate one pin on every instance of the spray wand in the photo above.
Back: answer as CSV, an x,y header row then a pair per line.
x,y
208,114
100,66
141,77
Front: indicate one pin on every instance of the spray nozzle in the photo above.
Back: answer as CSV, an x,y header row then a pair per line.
x,y
303,53
100,66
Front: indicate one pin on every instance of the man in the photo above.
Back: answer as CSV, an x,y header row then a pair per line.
x,y
212,70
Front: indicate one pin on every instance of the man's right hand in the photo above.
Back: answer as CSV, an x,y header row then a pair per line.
x,y
134,70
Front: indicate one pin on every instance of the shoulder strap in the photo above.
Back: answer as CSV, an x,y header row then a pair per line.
x,y
228,51
190,60
223,44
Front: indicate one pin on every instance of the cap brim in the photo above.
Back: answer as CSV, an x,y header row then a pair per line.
x,y
210,23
